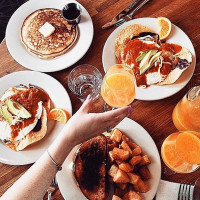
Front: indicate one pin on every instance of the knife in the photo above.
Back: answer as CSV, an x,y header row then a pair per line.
x,y
121,14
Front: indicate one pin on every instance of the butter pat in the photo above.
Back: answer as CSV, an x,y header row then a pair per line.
x,y
46,29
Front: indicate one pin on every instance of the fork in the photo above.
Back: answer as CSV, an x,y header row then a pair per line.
x,y
130,16
52,187
185,192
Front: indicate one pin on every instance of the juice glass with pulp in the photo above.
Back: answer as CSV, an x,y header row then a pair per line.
x,y
186,114
118,86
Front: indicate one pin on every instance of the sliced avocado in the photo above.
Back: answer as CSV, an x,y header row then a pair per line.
x,y
148,60
7,116
17,109
141,56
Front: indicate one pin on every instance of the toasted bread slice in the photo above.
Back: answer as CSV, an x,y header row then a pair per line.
x,y
90,168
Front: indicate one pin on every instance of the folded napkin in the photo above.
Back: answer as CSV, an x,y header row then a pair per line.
x,y
171,191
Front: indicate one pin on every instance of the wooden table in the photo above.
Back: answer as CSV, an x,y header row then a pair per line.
x,y
154,116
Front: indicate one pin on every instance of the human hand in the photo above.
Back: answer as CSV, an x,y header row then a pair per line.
x,y
85,125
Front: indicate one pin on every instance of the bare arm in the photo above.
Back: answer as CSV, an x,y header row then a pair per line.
x,y
82,126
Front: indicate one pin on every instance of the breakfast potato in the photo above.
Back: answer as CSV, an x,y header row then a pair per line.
x,y
125,146
133,178
111,144
144,172
120,154
145,160
116,198
122,185
119,192
137,151
141,186
113,170
126,167
132,195
121,177
116,135
135,160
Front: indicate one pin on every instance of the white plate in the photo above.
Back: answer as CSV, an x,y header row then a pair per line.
x,y
24,58
137,133
153,92
59,98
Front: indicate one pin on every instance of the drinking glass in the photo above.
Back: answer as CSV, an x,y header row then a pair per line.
x,y
84,80
118,86
186,114
180,151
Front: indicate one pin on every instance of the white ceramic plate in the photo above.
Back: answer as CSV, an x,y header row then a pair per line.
x,y
153,92
137,133
59,98
24,58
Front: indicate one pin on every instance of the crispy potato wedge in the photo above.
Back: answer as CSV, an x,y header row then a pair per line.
x,y
135,160
145,160
141,186
113,170
144,173
133,178
137,151
120,154
126,167
116,135
125,146
121,177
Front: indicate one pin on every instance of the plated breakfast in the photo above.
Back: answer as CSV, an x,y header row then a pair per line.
x,y
122,160
116,158
162,66
46,34
29,115
40,39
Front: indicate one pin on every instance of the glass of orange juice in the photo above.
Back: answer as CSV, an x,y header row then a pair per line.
x,y
180,151
118,86
186,114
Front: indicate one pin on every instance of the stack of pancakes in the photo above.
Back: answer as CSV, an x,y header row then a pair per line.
x,y
54,45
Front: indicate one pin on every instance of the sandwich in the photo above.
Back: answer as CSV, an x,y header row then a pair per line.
x,y
23,116
152,61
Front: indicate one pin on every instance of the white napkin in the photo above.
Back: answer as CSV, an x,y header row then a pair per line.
x,y
171,191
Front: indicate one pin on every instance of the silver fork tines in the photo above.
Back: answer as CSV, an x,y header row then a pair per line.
x,y
184,192
52,187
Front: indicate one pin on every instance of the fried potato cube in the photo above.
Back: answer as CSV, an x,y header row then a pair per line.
x,y
125,146
125,138
145,160
133,178
144,172
119,192
137,151
110,157
116,198
116,135
141,186
126,167
111,144
135,160
120,154
132,145
113,170
121,177
121,185
132,195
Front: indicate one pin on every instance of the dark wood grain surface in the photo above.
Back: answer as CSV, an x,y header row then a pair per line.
x,y
154,116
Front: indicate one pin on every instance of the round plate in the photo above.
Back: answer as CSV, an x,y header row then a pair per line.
x,y
21,54
135,132
153,92
59,98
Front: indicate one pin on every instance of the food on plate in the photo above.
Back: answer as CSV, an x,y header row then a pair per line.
x,y
122,163
152,61
165,27
59,114
46,34
23,116
90,168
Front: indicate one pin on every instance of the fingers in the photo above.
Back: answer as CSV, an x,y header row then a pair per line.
x,y
86,104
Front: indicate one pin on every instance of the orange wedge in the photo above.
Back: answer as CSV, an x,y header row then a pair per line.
x,y
59,114
188,146
170,156
165,27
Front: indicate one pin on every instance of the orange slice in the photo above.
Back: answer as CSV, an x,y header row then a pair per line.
x,y
165,27
188,146
59,114
171,158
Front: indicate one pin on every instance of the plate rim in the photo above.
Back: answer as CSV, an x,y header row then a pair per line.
x,y
157,156
151,98
10,162
25,64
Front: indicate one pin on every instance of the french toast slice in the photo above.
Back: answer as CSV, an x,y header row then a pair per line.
x,y
90,168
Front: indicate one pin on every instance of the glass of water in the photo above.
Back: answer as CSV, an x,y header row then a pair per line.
x,y
84,80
